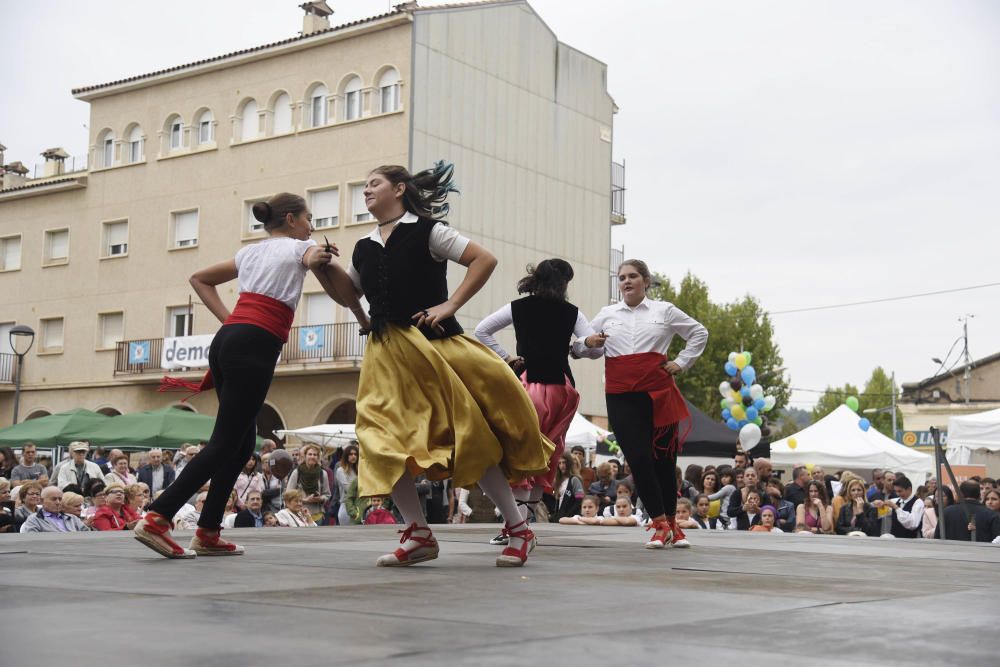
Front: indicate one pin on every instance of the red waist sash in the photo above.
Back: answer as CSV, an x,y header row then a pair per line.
x,y
644,372
261,311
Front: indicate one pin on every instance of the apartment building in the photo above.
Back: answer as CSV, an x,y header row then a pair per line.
x,y
95,252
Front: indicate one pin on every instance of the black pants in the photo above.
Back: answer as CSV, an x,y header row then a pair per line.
x,y
655,475
242,359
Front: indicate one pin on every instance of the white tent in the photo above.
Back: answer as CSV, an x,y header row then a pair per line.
x,y
326,435
968,433
584,433
837,442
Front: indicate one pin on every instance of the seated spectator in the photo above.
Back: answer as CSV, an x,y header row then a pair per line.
x,y
6,507
568,487
29,469
136,498
857,515
588,512
603,487
251,516
691,486
30,496
155,474
959,526
270,520
991,499
748,515
120,473
987,484
51,518
814,515
295,514
623,489
840,498
72,503
188,515
7,462
250,480
768,517
115,514
94,497
764,470
623,516
229,514
701,514
786,509
587,473
684,512
78,470
795,492
378,514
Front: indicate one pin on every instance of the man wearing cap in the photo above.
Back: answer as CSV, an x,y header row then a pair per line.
x,y
50,518
156,475
78,470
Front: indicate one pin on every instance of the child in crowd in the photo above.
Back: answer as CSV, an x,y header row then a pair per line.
x,y
702,514
623,516
377,514
626,490
684,510
271,521
588,513
768,519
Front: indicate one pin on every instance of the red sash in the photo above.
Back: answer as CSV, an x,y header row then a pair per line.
x,y
644,372
261,311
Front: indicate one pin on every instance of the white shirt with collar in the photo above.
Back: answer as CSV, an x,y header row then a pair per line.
x,y
445,243
910,520
649,327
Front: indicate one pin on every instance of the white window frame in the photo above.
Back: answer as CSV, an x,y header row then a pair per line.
x,y
45,346
47,258
357,217
108,150
5,328
254,121
102,320
176,132
182,314
177,218
278,104
393,90
252,227
4,240
313,314
319,112
353,107
107,248
206,127
324,222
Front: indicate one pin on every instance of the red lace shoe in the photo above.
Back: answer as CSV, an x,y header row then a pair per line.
x,y
210,543
512,557
663,535
426,548
679,540
154,532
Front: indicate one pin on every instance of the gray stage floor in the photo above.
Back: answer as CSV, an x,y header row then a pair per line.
x,y
588,595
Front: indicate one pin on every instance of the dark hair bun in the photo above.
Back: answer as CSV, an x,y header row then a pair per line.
x,y
262,211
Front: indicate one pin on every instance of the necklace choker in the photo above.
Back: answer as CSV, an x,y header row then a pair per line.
x,y
390,222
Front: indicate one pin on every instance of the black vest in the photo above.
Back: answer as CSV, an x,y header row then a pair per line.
x,y
543,328
897,528
403,278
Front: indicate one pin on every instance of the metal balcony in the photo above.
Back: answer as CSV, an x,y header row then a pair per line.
x,y
7,363
618,193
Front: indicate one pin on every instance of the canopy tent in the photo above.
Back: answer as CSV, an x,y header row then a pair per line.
x,y
53,430
325,435
837,442
168,427
583,433
969,433
710,438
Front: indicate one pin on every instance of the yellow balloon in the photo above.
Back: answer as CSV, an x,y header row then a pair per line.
x,y
792,443
741,361
738,412
809,467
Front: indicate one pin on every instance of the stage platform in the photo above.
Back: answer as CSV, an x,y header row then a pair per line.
x,y
588,596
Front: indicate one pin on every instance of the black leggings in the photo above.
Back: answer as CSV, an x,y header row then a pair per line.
x,y
242,359
631,417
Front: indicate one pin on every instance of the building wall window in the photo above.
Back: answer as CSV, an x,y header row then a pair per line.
x,y
184,229
52,335
115,239
106,149
320,309
56,246
176,134
110,330
253,225
318,113
359,212
325,206
389,91
352,98
135,144
179,321
249,122
10,253
205,122
5,328
282,114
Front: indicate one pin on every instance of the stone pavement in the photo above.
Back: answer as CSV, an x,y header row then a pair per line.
x,y
589,595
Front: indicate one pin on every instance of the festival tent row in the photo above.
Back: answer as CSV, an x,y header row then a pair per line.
x,y
974,438
837,442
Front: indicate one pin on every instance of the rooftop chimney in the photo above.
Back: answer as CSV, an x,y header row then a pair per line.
x,y
317,17
54,164
14,175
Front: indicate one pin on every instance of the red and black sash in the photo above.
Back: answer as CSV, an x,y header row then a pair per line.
x,y
644,372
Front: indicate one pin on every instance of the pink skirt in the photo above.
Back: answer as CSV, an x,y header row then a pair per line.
x,y
556,405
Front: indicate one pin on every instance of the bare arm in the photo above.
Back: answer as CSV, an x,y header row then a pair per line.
x,y
205,282
339,286
480,263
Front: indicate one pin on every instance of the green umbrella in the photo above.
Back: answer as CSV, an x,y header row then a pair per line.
x,y
167,427
54,430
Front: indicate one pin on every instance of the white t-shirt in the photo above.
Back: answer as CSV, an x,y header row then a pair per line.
x,y
274,268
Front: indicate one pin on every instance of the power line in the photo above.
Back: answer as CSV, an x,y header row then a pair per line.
x,y
883,300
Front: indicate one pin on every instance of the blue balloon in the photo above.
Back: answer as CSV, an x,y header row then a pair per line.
x,y
726,414
744,391
759,404
749,375
751,413
732,424
743,422
731,369
864,424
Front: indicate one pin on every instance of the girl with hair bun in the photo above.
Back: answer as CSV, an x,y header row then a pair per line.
x,y
430,399
544,322
241,363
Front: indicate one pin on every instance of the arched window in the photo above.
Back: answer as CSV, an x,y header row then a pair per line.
x,y
352,98
282,109
135,144
318,116
205,124
388,91
248,121
106,148
176,133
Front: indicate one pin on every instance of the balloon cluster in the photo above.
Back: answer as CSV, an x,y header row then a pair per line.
x,y
744,401
852,402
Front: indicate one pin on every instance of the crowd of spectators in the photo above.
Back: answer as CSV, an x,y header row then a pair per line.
x,y
95,489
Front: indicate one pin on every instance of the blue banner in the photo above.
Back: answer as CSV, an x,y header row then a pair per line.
x,y
311,338
920,438
138,352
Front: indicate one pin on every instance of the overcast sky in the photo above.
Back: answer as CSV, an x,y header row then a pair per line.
x,y
807,153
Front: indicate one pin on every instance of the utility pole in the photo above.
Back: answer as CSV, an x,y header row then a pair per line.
x,y
967,376
893,381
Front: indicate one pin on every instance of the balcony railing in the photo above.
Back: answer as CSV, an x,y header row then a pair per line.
x,y
618,193
617,257
306,344
7,363
71,165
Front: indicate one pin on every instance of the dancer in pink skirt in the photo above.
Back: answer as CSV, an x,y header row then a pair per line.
x,y
544,322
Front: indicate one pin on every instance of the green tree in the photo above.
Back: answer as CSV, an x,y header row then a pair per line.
x,y
831,399
732,327
877,395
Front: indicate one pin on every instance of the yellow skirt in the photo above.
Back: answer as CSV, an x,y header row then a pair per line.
x,y
447,408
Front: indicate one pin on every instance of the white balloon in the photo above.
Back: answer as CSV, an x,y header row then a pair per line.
x,y
732,357
749,436
769,402
756,391
725,389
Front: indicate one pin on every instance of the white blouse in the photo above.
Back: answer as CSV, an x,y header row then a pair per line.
x,y
649,327
274,268
505,317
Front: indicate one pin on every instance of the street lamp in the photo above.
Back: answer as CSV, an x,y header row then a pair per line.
x,y
21,336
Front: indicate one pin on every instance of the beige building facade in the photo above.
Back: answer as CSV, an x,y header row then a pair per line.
x,y
96,260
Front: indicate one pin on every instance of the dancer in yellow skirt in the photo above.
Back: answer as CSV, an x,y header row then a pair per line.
x,y
432,400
